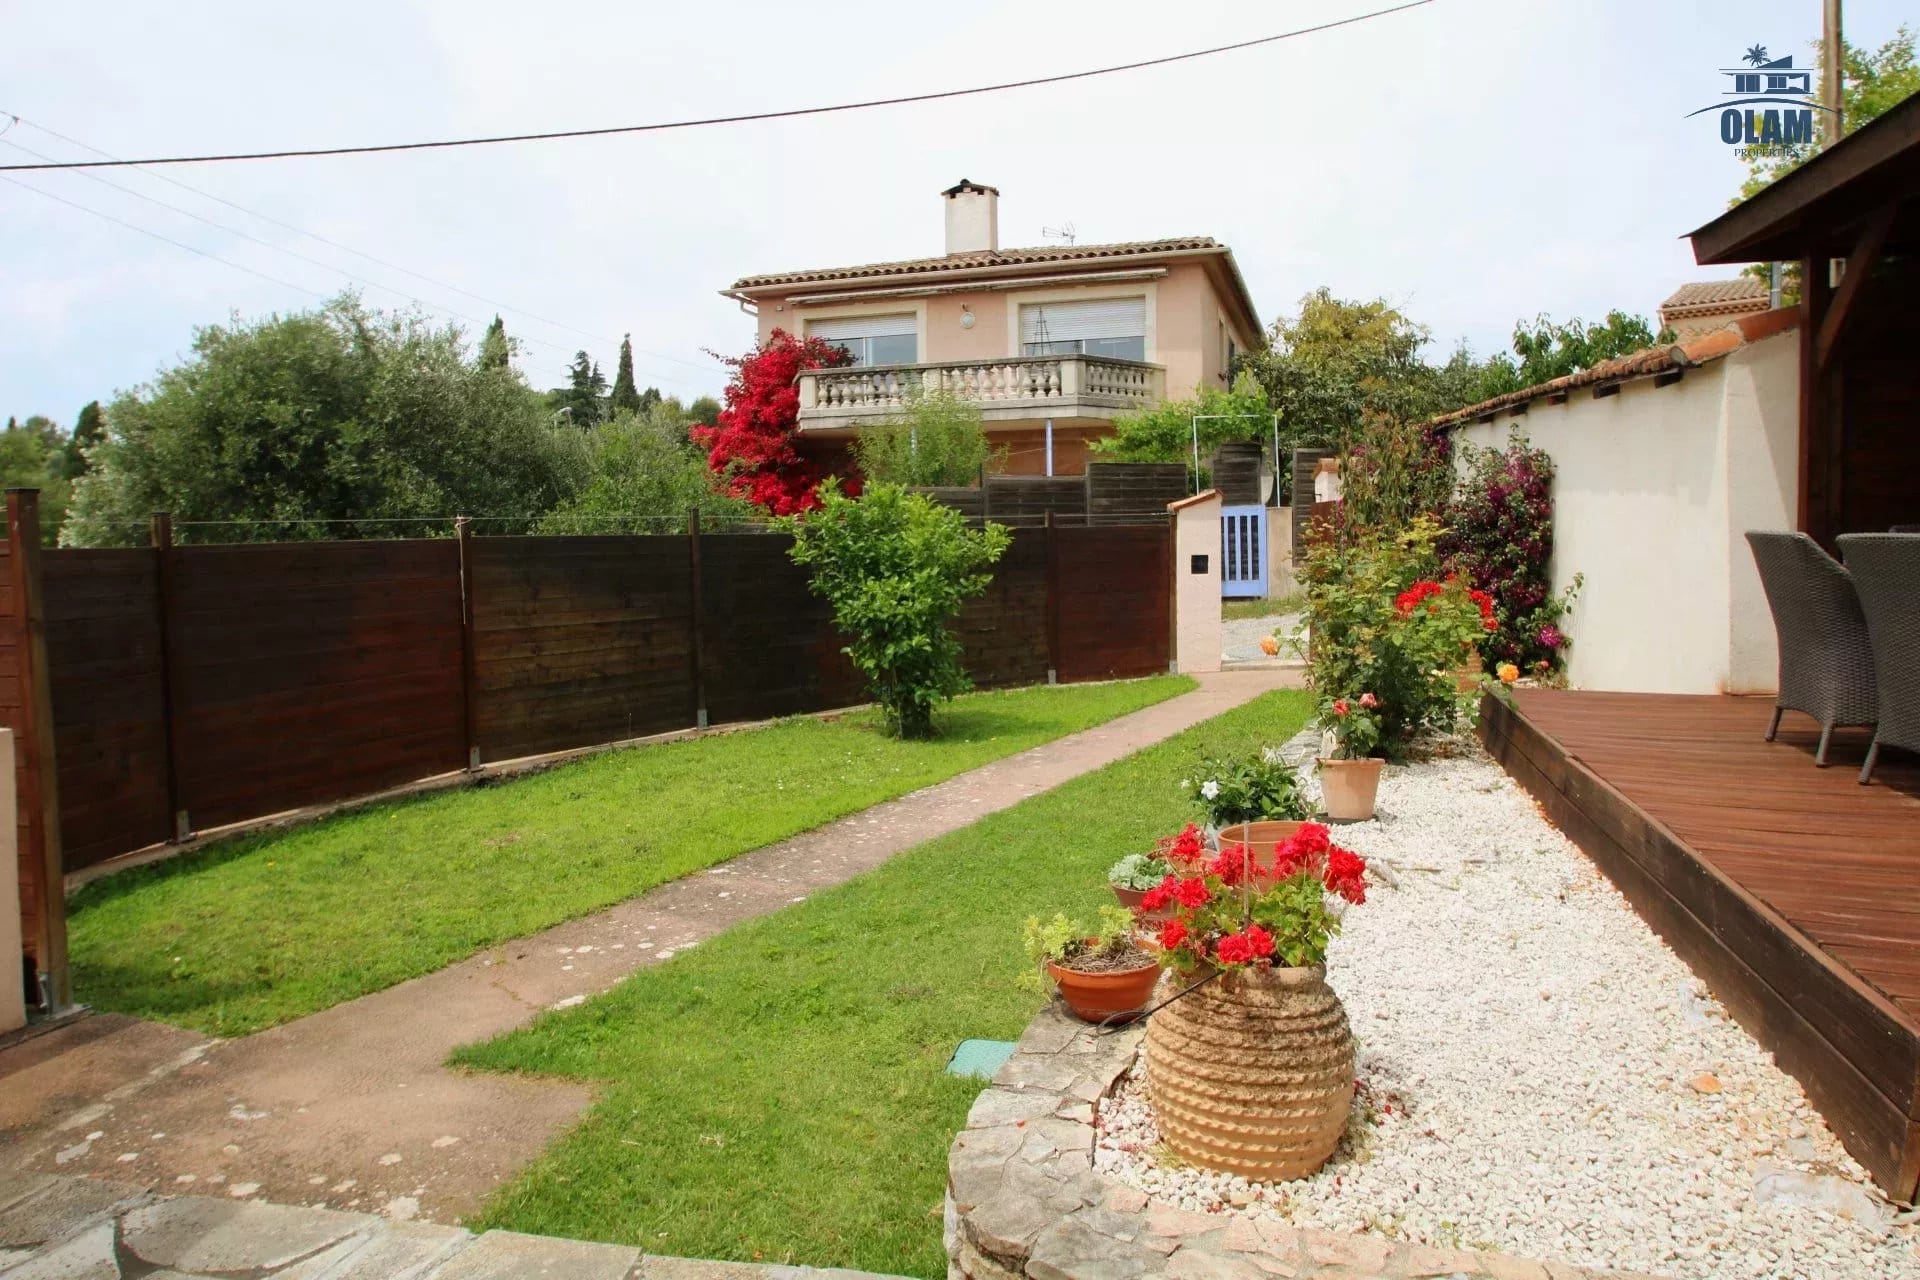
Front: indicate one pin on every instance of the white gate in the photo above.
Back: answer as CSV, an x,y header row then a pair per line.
x,y
1243,552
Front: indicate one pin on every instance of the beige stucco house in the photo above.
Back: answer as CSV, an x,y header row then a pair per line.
x,y
1051,342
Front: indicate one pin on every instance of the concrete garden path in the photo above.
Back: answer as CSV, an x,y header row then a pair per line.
x,y
352,1107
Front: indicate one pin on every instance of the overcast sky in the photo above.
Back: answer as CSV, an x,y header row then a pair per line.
x,y
1472,161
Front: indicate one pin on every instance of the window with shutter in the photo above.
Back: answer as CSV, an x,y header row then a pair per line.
x,y
1115,327
871,340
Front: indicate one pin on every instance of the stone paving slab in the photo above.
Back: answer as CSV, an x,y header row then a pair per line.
x,y
115,1231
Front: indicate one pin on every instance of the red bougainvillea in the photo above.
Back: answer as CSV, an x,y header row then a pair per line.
x,y
753,444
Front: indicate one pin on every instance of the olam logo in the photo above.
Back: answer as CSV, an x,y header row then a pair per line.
x,y
1769,83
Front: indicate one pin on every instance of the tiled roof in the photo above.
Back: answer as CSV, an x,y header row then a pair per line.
x,y
982,258
1716,293
1646,363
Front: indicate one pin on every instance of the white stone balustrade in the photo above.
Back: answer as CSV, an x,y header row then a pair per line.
x,y
1006,389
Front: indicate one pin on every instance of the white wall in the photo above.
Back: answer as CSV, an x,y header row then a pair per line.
x,y
1197,630
1653,490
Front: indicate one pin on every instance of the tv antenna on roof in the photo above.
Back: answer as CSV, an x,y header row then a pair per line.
x,y
1064,232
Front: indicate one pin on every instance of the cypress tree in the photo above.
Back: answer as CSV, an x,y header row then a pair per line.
x,y
626,398
88,430
495,350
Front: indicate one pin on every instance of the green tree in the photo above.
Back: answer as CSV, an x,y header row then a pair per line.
x,y
337,414
703,411
33,456
89,429
583,399
896,567
1546,350
1337,362
496,349
936,440
642,476
626,397
1165,433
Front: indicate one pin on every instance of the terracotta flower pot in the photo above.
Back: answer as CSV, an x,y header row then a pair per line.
x,y
1095,997
1348,788
1252,1073
1131,899
1261,838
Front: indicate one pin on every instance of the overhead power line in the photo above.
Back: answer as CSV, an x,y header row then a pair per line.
x,y
664,126
335,244
268,244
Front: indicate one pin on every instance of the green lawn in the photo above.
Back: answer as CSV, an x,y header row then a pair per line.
x,y
778,1093
1236,610
256,931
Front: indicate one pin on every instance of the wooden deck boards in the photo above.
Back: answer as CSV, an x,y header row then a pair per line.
x,y
1792,889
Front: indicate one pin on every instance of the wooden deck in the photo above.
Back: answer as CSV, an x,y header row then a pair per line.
x,y
1793,891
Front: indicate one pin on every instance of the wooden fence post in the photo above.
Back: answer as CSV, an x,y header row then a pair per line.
x,y
1053,600
469,692
160,535
39,780
694,625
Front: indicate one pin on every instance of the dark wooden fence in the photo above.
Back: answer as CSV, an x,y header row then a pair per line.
x,y
189,687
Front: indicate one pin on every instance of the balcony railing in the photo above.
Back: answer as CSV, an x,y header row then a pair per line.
x,y
1005,389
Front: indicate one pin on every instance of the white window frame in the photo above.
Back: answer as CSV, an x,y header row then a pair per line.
x,y
1148,292
850,311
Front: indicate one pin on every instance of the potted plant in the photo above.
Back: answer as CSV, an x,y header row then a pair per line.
x,y
1133,875
1254,802
1102,972
1350,775
1251,1071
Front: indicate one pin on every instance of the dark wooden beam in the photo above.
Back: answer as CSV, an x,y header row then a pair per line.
x,y
1866,251
1668,378
1602,390
1811,509
1556,397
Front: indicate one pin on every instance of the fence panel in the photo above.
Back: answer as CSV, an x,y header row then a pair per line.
x,y
768,644
311,672
1003,632
1114,609
104,662
580,641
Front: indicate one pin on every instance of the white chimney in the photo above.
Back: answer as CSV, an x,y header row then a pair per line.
x,y
973,218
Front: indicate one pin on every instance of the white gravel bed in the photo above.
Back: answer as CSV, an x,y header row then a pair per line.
x,y
1541,1076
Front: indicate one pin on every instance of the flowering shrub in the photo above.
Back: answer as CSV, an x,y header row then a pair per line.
x,y
1223,918
1248,788
753,444
1355,725
896,567
1500,536
1387,627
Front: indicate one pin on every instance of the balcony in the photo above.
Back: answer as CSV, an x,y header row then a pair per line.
x,y
1013,389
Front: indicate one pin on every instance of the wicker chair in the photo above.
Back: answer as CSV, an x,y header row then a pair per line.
x,y
1886,569
1826,659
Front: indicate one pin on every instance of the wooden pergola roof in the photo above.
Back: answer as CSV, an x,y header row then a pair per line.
x,y
1824,208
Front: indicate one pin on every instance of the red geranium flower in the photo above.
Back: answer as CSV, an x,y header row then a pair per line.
x,y
1233,864
1172,934
1157,897
1346,874
1191,893
1301,850
1259,941
1234,949
1187,847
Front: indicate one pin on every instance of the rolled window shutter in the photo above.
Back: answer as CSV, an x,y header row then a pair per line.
x,y
841,328
1077,321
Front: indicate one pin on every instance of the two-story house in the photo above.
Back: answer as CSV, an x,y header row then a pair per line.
x,y
1052,343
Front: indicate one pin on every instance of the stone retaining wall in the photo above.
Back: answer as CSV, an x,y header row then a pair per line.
x,y
1023,1200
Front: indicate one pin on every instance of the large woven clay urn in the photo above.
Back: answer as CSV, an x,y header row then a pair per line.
x,y
1253,1072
